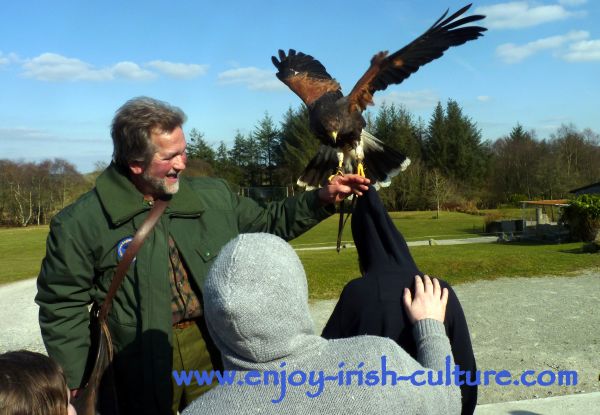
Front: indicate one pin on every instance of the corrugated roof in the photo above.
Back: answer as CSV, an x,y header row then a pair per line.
x,y
555,202
584,187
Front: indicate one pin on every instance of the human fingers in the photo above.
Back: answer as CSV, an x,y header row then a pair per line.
x,y
428,285
357,178
358,183
337,188
419,288
437,291
444,299
408,305
357,191
407,298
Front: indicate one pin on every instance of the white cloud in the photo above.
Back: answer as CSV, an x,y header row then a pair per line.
x,y
412,100
8,59
179,70
511,53
4,59
55,67
519,14
253,78
583,51
130,70
484,98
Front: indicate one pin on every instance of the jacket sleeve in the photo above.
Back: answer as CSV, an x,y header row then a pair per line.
x,y
64,285
462,349
434,352
343,321
287,219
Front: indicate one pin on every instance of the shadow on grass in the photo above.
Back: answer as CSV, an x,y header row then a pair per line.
x,y
573,251
528,242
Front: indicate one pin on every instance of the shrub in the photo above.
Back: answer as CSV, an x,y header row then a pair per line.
x,y
492,217
583,217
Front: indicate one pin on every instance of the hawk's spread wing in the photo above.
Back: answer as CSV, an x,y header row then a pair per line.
x,y
393,69
305,75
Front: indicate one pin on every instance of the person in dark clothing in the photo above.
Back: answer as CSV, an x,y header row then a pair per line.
x,y
372,304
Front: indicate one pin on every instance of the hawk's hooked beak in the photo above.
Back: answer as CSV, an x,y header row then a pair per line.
x,y
334,135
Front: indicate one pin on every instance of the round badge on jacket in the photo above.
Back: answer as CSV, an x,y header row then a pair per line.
x,y
122,246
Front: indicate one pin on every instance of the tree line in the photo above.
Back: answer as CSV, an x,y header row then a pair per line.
x,y
452,166
31,193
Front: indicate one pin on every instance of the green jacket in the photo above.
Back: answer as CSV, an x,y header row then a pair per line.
x,y
81,257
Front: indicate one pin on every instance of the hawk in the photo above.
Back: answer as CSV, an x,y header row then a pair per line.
x,y
336,119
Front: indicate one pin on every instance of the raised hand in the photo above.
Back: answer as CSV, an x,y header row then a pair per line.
x,y
430,300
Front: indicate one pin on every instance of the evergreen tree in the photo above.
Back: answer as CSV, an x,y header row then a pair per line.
x,y
198,148
453,146
245,155
435,151
395,127
514,167
298,144
225,168
468,156
239,154
267,139
221,155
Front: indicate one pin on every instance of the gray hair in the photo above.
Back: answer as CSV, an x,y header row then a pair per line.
x,y
133,124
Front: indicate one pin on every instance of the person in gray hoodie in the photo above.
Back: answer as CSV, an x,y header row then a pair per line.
x,y
256,305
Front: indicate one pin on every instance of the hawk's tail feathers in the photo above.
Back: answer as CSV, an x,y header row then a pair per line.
x,y
319,168
382,162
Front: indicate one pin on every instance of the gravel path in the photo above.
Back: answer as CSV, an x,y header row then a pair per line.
x,y
518,324
546,323
19,327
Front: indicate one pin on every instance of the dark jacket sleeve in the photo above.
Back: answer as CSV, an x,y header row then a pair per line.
x,y
64,285
356,313
462,349
341,323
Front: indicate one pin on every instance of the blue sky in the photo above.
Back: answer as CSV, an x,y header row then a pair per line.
x,y
66,66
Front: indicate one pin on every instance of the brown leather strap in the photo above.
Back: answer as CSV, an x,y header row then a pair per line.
x,y
130,253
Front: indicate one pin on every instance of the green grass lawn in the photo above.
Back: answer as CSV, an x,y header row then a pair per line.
x,y
413,225
327,272
21,252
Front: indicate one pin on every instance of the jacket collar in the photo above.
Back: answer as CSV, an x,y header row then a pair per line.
x,y
122,200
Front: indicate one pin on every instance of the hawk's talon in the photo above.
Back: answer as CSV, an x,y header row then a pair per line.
x,y
360,170
337,173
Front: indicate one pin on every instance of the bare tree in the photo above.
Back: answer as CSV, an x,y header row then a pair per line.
x,y
439,188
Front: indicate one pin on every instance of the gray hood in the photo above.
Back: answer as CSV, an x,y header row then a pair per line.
x,y
256,302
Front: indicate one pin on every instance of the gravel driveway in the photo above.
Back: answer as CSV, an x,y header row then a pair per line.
x,y
518,324
545,323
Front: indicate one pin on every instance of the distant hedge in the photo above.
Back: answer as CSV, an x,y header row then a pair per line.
x,y
583,217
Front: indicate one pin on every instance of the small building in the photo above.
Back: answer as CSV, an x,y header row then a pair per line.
x,y
547,212
587,190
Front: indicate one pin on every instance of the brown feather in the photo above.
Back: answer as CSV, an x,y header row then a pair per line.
x,y
361,96
310,89
432,44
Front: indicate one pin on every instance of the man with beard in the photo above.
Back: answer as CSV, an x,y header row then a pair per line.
x,y
156,321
